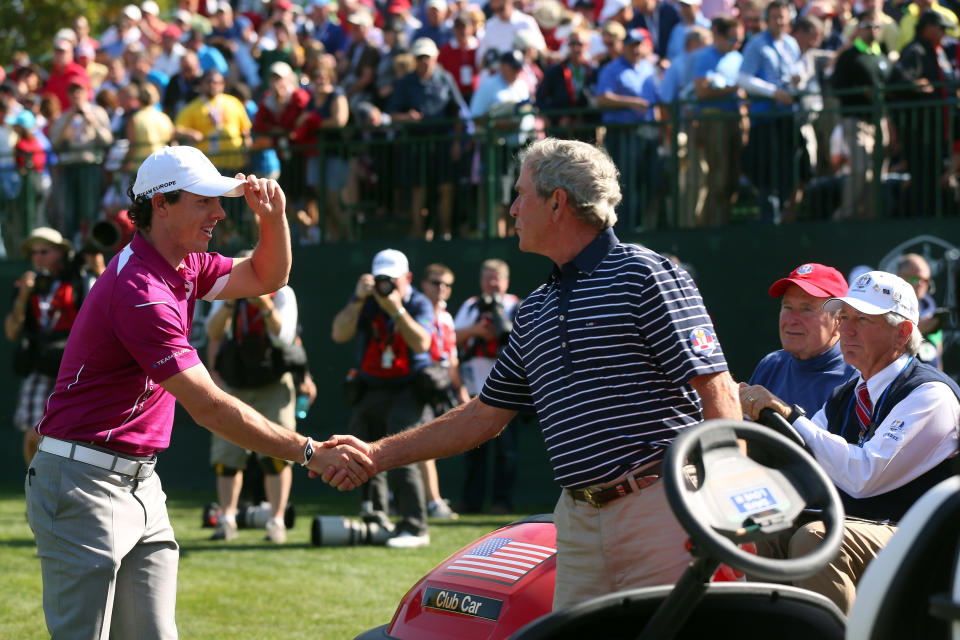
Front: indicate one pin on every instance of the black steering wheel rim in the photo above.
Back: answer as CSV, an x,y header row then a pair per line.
x,y
714,544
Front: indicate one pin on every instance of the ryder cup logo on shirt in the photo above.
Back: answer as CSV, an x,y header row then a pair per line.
x,y
804,269
702,341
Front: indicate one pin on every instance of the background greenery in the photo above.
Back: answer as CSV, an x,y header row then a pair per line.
x,y
250,589
29,25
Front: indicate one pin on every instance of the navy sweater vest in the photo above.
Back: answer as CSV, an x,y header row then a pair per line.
x,y
841,417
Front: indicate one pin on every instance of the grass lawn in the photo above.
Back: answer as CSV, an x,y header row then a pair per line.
x,y
248,588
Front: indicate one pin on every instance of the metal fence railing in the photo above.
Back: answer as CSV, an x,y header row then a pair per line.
x,y
698,164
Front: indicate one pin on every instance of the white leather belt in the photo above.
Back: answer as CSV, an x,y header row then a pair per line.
x,y
139,469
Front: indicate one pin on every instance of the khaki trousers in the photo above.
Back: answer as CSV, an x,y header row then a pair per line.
x,y
628,543
862,541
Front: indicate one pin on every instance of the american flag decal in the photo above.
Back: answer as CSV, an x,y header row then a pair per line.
x,y
500,560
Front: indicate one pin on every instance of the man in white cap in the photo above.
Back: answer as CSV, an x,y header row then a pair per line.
x,y
392,324
98,513
884,437
428,93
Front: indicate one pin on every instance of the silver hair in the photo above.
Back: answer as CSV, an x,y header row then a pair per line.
x,y
584,172
913,342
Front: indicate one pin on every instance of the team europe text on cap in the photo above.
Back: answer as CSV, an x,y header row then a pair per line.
x,y
818,280
186,168
878,292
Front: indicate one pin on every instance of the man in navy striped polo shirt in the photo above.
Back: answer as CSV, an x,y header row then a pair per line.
x,y
616,354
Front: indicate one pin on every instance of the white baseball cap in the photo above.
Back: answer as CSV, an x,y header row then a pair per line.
x,y
877,292
187,168
390,262
133,12
424,47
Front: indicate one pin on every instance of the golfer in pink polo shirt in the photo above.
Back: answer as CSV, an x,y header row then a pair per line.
x,y
106,547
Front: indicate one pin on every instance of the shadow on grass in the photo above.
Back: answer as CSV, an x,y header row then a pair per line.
x,y
18,543
192,547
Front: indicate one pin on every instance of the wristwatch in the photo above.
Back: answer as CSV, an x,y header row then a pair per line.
x,y
399,312
795,412
307,452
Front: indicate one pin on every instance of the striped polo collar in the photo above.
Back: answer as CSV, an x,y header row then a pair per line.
x,y
589,257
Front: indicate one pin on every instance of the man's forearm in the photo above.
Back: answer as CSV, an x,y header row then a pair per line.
x,y
246,427
272,257
718,395
462,428
345,322
416,337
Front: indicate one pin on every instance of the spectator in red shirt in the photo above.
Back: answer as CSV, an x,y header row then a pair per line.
x,y
459,55
27,144
276,116
64,72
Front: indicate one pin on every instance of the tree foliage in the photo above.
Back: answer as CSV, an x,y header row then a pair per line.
x,y
29,25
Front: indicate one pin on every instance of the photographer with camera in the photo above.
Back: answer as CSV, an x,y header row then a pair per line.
x,y
483,325
45,306
392,324
247,341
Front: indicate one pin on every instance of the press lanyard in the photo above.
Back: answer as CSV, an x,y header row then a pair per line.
x,y
876,409
46,320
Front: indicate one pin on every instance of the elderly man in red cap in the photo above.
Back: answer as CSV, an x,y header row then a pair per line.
x,y
810,365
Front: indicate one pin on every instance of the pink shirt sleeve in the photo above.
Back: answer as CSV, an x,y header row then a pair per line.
x,y
213,271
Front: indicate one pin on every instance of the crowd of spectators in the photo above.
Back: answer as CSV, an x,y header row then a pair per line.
x,y
376,109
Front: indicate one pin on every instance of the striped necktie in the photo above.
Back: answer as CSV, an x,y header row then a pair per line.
x,y
864,409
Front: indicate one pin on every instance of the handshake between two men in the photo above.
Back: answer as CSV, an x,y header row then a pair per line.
x,y
348,462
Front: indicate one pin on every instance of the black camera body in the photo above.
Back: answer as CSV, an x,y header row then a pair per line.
x,y
492,307
43,282
384,285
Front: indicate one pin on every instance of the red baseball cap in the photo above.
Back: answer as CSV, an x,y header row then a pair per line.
x,y
398,6
816,279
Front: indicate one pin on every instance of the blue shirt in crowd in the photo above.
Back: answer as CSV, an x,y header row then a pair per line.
x,y
807,383
721,69
621,78
775,62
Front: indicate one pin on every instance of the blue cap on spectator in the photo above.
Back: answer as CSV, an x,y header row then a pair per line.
x,y
24,118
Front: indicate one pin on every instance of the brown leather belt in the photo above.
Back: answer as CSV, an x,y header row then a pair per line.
x,y
599,496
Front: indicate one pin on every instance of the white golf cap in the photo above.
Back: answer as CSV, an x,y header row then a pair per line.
x,y
390,262
424,47
150,7
186,168
133,12
877,292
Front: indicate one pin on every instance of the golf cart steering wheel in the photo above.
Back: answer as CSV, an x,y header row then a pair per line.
x,y
778,423
729,498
